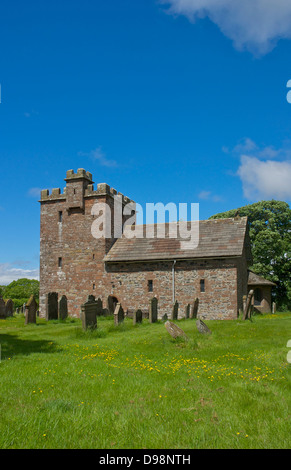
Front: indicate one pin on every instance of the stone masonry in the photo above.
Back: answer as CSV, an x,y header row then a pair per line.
x,y
75,264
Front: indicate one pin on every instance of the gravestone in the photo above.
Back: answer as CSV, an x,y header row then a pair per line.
x,y
249,305
137,317
30,311
63,308
52,306
195,308
175,310
89,313
187,311
9,307
2,308
202,328
165,317
99,307
153,310
118,314
174,330
274,307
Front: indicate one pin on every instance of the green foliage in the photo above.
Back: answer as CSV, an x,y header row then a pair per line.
x,y
270,234
19,291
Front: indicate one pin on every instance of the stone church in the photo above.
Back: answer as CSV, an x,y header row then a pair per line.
x,y
75,264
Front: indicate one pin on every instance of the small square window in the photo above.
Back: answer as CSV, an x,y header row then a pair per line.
x,y
150,286
202,285
60,262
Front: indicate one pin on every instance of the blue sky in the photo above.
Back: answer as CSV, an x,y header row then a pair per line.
x,y
161,100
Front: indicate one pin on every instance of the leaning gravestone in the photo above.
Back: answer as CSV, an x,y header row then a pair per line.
x,y
153,310
52,306
2,308
174,330
195,308
249,305
118,314
202,328
30,311
137,317
63,308
175,310
89,314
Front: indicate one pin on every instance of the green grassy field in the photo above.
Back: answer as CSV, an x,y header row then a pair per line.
x,y
134,387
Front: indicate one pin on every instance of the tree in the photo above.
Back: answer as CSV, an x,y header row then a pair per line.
x,y
19,291
270,234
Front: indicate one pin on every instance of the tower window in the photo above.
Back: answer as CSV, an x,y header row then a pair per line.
x,y
93,256
150,286
202,285
94,286
60,262
60,216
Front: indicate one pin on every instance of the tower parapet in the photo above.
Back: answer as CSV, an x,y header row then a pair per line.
x,y
80,185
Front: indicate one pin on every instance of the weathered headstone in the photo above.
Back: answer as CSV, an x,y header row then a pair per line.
x,y
52,306
202,328
274,307
187,311
249,305
30,311
2,308
63,308
89,313
137,317
174,330
118,314
9,307
112,302
99,307
175,310
195,308
165,317
153,310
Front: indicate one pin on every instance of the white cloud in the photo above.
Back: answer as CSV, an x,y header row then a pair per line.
x,y
34,192
8,273
208,196
265,179
254,25
100,156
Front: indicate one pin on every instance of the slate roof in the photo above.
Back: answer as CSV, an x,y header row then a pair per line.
x,y
217,238
256,280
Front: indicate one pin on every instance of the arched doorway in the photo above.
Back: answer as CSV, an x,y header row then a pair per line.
x,y
112,302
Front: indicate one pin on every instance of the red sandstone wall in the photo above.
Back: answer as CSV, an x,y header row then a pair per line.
x,y
73,242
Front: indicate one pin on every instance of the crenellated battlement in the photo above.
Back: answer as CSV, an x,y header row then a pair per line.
x,y
103,189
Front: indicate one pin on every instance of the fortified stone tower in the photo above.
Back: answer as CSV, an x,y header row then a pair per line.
x,y
71,258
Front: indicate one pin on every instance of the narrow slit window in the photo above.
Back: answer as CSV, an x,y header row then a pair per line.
x,y
60,216
150,286
60,262
94,286
202,285
93,257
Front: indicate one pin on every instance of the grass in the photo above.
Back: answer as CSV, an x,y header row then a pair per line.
x,y
134,387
